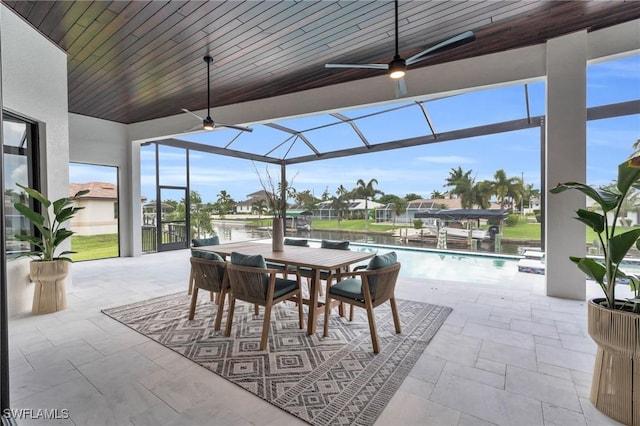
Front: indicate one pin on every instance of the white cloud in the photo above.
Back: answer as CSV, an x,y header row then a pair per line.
x,y
19,174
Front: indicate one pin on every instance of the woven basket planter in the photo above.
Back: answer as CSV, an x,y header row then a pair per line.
x,y
615,387
50,294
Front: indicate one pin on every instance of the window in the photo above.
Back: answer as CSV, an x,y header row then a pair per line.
x,y
20,167
96,227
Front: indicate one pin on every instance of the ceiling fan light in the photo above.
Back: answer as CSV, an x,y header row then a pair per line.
x,y
397,68
207,123
397,74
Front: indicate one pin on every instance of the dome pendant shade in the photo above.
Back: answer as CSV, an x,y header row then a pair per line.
x,y
208,124
397,68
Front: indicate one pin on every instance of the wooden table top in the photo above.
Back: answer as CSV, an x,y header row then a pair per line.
x,y
311,257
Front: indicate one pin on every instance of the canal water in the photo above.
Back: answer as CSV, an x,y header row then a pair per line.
x,y
234,231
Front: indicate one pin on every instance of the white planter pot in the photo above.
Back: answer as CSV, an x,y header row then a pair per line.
x,y
277,239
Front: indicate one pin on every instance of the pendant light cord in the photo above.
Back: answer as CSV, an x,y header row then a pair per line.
x,y
208,59
396,1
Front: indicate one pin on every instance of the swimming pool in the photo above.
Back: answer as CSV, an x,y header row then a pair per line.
x,y
450,265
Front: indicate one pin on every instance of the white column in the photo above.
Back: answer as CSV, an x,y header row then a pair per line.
x,y
135,194
565,160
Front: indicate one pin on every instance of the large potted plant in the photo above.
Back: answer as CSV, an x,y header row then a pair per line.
x,y
614,324
48,270
277,205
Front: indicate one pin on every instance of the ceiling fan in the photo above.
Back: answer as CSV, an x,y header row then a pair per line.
x,y
208,123
397,68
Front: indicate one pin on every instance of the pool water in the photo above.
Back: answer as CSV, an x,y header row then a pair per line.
x,y
450,266
416,262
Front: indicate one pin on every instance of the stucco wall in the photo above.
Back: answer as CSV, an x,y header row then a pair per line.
x,y
34,85
95,218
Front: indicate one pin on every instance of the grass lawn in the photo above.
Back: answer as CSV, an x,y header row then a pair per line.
x,y
345,225
94,246
522,231
351,225
531,231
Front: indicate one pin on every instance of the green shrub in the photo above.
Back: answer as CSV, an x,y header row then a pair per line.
x,y
417,223
538,216
512,220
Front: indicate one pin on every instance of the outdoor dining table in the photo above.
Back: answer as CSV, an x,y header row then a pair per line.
x,y
316,259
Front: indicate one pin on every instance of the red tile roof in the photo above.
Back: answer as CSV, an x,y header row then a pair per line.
x,y
96,189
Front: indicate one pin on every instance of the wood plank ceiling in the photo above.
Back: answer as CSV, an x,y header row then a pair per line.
x,y
130,61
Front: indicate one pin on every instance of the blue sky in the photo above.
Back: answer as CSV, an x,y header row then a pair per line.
x,y
410,170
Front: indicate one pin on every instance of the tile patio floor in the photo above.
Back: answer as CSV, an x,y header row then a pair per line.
x,y
507,355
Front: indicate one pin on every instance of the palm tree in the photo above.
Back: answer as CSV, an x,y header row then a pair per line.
x,y
482,192
200,217
462,184
529,193
506,188
325,195
340,206
341,191
224,203
436,195
399,207
516,192
306,200
367,191
259,206
501,186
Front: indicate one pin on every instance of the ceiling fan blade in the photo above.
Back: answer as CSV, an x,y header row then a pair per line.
x,y
401,88
450,43
192,113
368,66
231,126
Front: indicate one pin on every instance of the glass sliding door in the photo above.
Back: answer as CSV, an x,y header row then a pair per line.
x,y
18,144
173,220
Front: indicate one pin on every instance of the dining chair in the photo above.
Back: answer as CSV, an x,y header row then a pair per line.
x,y
283,267
200,242
366,289
210,275
251,281
308,273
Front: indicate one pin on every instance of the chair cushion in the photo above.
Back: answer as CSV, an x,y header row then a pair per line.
x,y
272,265
338,245
206,255
256,261
284,286
307,272
378,262
292,242
351,288
383,260
199,242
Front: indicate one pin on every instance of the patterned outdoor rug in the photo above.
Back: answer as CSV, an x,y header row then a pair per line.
x,y
324,381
